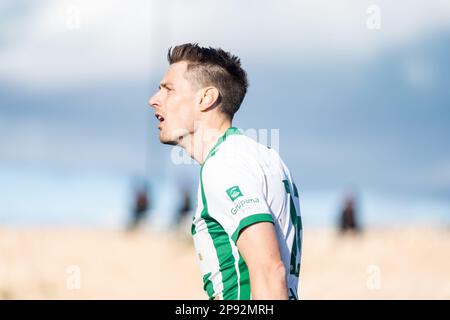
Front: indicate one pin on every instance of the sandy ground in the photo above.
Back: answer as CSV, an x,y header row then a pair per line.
x,y
74,264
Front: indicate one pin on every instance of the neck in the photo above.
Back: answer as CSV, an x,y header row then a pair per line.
x,y
202,140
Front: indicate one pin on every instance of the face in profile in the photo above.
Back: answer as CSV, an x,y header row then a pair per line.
x,y
175,104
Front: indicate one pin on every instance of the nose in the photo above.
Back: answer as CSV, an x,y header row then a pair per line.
x,y
154,101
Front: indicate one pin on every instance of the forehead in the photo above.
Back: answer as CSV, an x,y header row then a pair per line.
x,y
175,72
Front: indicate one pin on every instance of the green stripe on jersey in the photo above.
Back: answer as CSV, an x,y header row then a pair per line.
x,y
207,285
224,251
254,218
244,281
220,238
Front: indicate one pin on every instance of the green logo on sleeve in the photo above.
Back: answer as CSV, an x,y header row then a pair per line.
x,y
234,193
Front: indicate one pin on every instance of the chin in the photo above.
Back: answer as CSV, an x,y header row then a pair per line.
x,y
165,140
169,142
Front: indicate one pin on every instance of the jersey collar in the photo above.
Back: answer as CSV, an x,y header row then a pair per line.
x,y
230,131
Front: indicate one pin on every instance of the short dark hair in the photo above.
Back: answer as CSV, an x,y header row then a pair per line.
x,y
215,67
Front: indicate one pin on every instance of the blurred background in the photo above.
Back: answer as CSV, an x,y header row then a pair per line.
x,y
353,94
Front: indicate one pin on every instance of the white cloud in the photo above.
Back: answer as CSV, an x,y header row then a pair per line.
x,y
111,39
80,42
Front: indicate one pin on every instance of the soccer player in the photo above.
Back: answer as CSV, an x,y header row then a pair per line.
x,y
247,229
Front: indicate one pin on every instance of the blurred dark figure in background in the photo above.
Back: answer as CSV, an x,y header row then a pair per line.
x,y
184,216
348,219
185,208
140,206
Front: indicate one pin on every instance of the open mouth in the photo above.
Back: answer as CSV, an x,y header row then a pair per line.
x,y
159,117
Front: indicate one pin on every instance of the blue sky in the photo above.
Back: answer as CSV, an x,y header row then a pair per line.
x,y
360,107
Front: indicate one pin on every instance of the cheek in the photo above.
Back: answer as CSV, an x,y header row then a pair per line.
x,y
186,118
181,112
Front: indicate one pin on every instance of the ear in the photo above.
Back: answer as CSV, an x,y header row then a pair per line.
x,y
209,98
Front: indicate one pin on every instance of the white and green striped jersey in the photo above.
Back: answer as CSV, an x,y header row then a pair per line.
x,y
243,182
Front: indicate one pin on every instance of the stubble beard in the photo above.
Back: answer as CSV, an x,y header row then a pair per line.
x,y
167,141
175,138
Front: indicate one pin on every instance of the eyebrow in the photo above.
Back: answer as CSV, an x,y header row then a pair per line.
x,y
165,85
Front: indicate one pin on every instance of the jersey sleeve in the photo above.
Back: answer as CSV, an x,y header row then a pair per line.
x,y
233,189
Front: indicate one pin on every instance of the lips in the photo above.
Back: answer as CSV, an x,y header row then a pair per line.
x,y
159,117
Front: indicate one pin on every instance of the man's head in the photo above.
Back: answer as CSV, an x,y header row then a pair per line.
x,y
201,84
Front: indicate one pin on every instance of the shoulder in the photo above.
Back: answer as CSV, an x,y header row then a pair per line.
x,y
225,164
237,154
